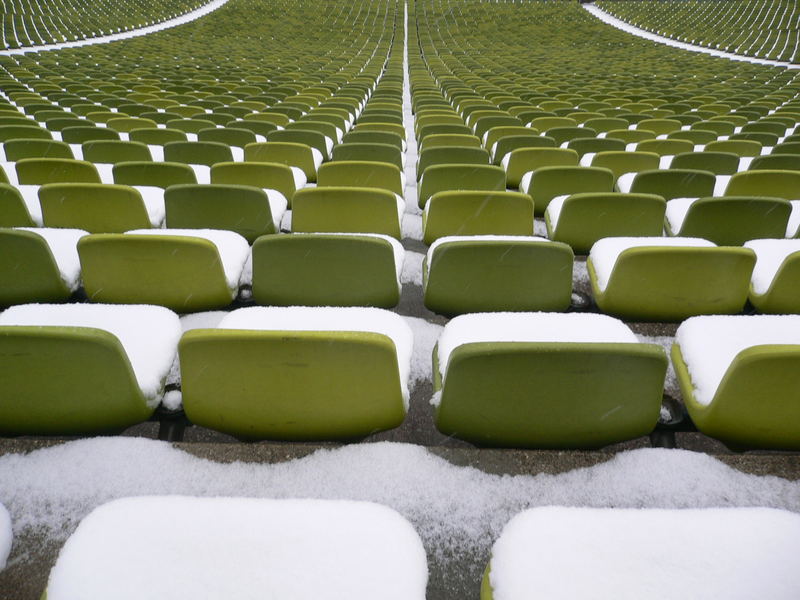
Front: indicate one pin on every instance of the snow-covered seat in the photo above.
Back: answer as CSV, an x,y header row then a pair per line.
x,y
348,210
776,276
729,220
477,213
247,210
38,264
19,206
298,373
699,553
83,368
498,273
582,219
669,279
277,180
316,269
183,269
521,380
740,378
241,548
100,207
545,183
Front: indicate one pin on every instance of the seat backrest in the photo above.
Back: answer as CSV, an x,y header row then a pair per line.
x,y
524,160
273,176
81,134
440,178
93,207
13,211
674,183
157,174
346,209
230,136
372,152
115,151
38,171
22,148
719,163
28,269
200,153
450,155
361,174
779,184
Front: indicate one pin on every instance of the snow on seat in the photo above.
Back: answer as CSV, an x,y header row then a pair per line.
x,y
727,220
242,548
793,226
330,269
30,196
520,380
732,553
6,536
773,288
183,269
580,220
656,278
38,264
740,378
298,373
83,368
502,273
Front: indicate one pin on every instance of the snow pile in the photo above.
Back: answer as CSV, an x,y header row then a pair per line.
x,y
425,337
733,553
148,334
770,256
233,248
153,199
530,327
676,212
605,252
412,268
327,318
456,510
63,244
6,536
300,549
709,344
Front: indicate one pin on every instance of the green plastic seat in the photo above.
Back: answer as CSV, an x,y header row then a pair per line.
x,y
384,153
359,173
18,149
775,162
242,378
128,124
290,154
762,137
230,136
443,155
181,269
585,145
477,213
30,268
520,380
778,184
197,153
246,210
695,136
268,176
631,136
97,207
38,171
773,288
580,220
665,147
115,151
155,174
441,178
502,273
373,137
507,144
326,270
347,210
14,211
754,402
23,132
439,129
670,183
522,161
262,128
730,220
737,147
663,279
189,125
719,163
496,133
450,139
314,139
659,126
79,135
65,370
546,183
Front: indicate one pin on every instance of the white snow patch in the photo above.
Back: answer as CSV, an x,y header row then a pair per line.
x,y
300,549
6,536
735,553
677,209
153,198
411,226
148,334
412,268
709,344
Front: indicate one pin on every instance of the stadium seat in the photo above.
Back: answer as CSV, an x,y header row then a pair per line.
x,y
773,288
520,380
546,183
363,174
347,210
739,378
669,183
240,378
522,161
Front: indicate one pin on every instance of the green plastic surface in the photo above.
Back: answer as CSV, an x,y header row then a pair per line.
x,y
524,160
290,385
757,404
182,273
28,271
345,209
324,270
66,381
441,178
534,395
272,176
674,183
779,184
93,207
13,212
651,283
548,182
781,297
157,174
483,276
359,173
39,171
